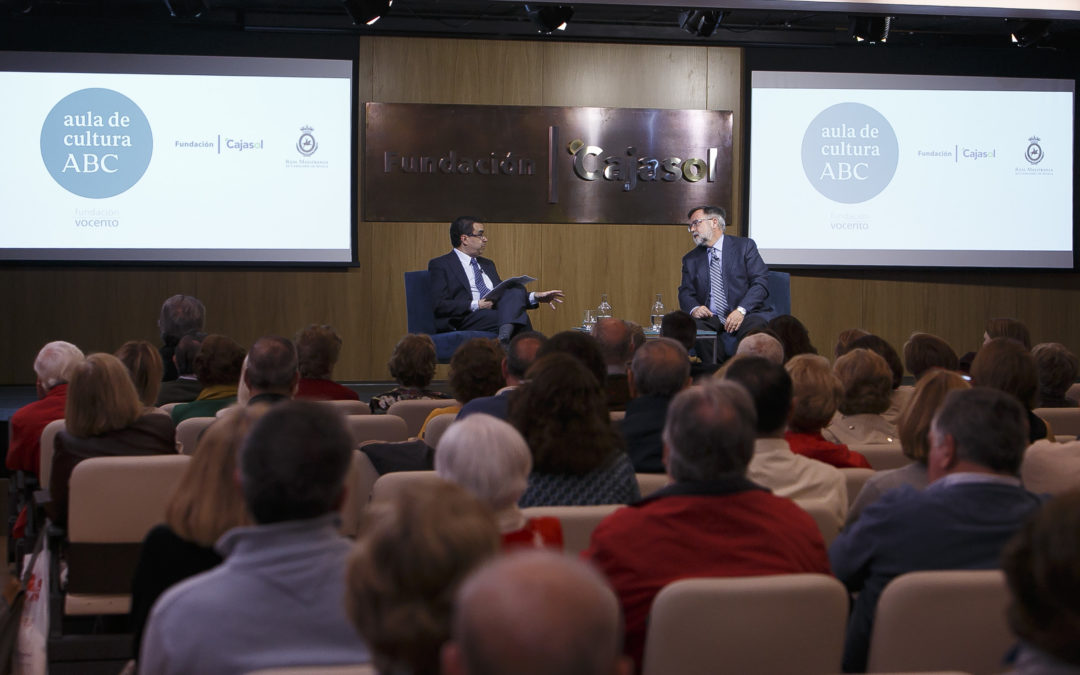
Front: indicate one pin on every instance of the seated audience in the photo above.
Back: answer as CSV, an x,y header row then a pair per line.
x,y
616,345
103,418
761,344
1041,569
637,335
412,365
414,550
490,459
276,600
1057,368
318,348
773,464
272,371
186,386
971,508
923,352
899,395
510,613
712,521
577,456
681,327
1006,365
867,383
520,355
205,505
475,372
793,336
217,367
52,369
913,432
1051,468
1007,328
180,315
582,347
144,365
815,395
844,340
660,370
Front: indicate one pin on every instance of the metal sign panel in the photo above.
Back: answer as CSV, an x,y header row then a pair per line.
x,y
426,162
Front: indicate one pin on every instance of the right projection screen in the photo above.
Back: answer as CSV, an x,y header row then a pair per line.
x,y
880,170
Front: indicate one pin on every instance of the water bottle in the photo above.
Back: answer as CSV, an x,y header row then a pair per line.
x,y
604,310
657,314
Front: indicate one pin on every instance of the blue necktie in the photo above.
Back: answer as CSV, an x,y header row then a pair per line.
x,y
481,287
717,300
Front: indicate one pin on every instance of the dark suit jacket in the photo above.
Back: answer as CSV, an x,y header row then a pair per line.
x,y
496,406
642,428
745,276
450,289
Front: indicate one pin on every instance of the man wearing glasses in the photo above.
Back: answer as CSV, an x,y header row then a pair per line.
x,y
461,279
723,280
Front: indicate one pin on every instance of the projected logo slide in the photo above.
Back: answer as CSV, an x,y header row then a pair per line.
x,y
849,153
96,143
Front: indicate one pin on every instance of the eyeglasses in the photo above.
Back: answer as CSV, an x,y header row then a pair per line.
x,y
695,223
482,235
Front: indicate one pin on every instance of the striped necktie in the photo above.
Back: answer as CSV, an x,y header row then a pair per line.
x,y
481,287
718,299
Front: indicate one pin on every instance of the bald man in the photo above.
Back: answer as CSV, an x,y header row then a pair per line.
x,y
535,613
764,345
617,345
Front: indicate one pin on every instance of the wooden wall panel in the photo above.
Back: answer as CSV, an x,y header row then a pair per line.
x,y
725,93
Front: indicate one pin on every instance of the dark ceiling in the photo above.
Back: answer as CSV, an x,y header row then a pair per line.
x,y
502,19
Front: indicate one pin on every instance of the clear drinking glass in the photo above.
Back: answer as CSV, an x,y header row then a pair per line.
x,y
656,316
590,319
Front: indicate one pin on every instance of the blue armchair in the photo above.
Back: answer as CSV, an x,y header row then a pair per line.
x,y
420,311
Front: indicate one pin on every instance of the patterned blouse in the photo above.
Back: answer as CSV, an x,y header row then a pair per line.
x,y
611,483
381,403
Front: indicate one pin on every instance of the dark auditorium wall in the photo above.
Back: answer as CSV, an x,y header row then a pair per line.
x,y
100,307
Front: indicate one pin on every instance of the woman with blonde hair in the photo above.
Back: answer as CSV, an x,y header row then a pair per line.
x,y
103,417
914,427
868,383
816,392
206,504
145,366
491,460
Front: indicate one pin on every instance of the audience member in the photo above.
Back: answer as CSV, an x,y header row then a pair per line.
x,y
637,335
712,521
844,340
1041,569
144,365
681,327
761,344
103,418
217,367
535,613
867,383
973,505
412,365
186,386
816,393
582,347
276,601
318,348
52,369
520,355
924,351
660,370
1006,365
577,456
899,397
180,315
793,336
913,433
773,464
1051,468
491,460
616,346
1007,328
205,505
272,370
414,550
1057,368
475,372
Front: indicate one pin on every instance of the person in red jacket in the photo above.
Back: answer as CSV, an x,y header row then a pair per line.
x,y
53,367
815,395
712,521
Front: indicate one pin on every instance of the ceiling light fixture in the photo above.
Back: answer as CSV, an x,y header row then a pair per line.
x,y
701,22
550,18
366,11
872,29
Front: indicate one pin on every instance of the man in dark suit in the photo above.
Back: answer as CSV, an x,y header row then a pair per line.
x,y
462,278
731,302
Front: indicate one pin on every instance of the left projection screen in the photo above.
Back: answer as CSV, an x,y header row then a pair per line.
x,y
152,158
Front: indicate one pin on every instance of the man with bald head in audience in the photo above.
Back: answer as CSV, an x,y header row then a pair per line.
x,y
535,613
660,370
616,344
271,372
52,367
519,356
761,344
712,521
